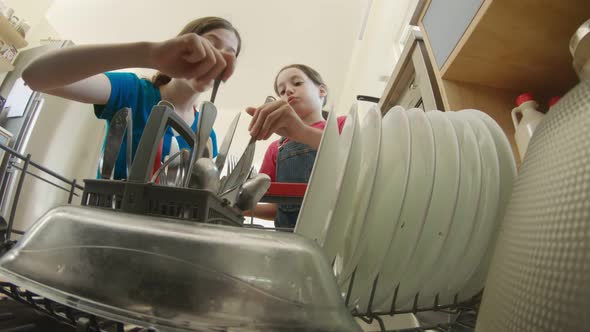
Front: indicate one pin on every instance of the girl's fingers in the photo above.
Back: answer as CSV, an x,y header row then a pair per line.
x,y
230,60
254,113
269,124
260,116
256,123
251,111
217,68
194,49
207,63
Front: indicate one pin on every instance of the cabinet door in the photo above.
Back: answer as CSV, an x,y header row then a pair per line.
x,y
412,84
444,22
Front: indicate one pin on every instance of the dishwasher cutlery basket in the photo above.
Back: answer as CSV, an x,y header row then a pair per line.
x,y
140,196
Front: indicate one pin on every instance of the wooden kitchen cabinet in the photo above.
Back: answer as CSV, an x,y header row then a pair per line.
x,y
509,47
10,36
412,83
5,65
446,21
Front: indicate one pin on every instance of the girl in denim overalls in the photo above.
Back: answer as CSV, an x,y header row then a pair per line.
x,y
297,118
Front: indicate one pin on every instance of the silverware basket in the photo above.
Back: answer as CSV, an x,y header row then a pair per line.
x,y
141,196
162,201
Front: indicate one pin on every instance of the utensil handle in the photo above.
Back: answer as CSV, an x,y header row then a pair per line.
x,y
118,128
161,117
164,165
129,134
202,135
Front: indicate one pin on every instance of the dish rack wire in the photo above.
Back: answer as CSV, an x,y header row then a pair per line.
x,y
460,315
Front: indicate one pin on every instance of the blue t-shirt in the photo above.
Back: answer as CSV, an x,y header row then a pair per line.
x,y
128,90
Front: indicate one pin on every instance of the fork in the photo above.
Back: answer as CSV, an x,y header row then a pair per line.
x,y
231,163
253,172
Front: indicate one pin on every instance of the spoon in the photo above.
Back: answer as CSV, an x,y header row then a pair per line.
x,y
204,175
252,191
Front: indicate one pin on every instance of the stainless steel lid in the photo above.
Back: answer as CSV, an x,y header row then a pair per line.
x,y
178,276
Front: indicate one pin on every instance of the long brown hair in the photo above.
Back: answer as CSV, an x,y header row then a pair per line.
x,y
200,26
311,73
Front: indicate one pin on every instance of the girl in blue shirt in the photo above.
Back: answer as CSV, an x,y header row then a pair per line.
x,y
187,65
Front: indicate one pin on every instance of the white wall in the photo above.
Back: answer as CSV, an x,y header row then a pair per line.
x,y
377,50
319,33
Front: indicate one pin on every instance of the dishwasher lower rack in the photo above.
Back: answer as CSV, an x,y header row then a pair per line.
x,y
453,317
81,321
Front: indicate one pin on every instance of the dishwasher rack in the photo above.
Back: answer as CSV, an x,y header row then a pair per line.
x,y
459,316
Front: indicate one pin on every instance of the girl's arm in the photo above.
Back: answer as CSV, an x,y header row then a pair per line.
x,y
76,72
267,211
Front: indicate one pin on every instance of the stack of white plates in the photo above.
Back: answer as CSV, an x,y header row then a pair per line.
x,y
408,205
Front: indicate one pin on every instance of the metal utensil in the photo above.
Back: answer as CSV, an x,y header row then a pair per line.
x,y
170,171
128,158
184,164
241,171
160,173
173,170
207,115
253,173
252,191
216,84
160,118
224,149
233,160
166,103
120,123
208,153
205,175
231,164
230,186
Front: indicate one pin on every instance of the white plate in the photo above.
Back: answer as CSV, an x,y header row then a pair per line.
x,y
415,206
356,185
436,225
370,130
385,203
485,219
507,176
326,174
332,234
465,210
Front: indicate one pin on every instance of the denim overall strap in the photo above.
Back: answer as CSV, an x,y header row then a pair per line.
x,y
294,164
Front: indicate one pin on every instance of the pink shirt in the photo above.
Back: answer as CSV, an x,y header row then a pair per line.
x,y
269,164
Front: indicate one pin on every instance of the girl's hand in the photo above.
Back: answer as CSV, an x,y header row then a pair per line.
x,y
191,56
275,117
